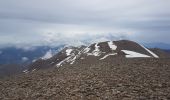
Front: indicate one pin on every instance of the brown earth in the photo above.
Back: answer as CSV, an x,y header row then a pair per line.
x,y
109,79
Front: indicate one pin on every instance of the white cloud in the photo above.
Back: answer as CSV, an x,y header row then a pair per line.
x,y
79,21
81,38
24,59
47,55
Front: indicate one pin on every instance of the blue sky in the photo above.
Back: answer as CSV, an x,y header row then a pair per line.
x,y
74,22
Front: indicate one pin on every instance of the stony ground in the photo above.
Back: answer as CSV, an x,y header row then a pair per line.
x,y
112,79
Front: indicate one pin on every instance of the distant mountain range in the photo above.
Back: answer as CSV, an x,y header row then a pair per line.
x,y
14,55
14,60
164,46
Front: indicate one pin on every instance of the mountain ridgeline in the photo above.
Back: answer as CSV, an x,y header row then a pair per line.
x,y
97,51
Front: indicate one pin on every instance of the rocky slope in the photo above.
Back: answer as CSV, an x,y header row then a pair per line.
x,y
109,79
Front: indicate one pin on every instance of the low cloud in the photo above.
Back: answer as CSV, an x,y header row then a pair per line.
x,y
81,39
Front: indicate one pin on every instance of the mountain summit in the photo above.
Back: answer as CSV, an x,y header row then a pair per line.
x,y
97,51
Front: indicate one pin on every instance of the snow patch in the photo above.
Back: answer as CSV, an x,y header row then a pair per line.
x,y
47,55
33,70
86,50
108,55
68,52
61,62
82,58
26,71
52,62
34,60
153,54
96,47
70,59
73,60
132,54
112,46
96,51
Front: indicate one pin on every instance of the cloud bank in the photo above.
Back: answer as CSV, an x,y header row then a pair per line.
x,y
55,22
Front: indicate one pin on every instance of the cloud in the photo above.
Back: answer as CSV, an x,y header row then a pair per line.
x,y
1,52
43,22
24,59
81,38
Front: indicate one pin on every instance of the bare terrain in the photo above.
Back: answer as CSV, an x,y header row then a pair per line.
x,y
108,79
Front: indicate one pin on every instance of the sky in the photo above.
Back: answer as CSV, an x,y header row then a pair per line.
x,y
77,22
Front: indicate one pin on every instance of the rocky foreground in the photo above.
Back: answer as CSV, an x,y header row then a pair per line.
x,y
109,79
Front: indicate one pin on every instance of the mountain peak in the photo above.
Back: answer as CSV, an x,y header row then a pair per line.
x,y
98,51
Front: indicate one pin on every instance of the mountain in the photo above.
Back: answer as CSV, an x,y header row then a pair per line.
x,y
111,70
168,51
165,46
161,53
14,60
15,55
97,51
